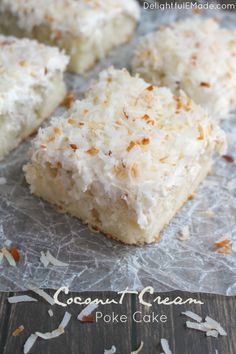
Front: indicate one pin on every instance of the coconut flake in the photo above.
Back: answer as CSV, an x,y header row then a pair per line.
x,y
110,351
192,315
139,349
54,261
212,333
165,346
20,298
29,343
9,257
65,320
212,324
87,311
44,260
198,326
184,233
50,335
18,331
43,294
3,180
50,312
1,257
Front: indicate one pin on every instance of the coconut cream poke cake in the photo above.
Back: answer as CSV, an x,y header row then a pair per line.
x,y
195,55
125,158
31,87
86,29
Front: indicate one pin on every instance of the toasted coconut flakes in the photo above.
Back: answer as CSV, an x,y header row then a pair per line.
x,y
43,294
55,261
50,335
88,319
20,298
9,257
68,100
198,326
222,243
228,158
87,311
110,351
165,346
212,324
15,254
139,349
50,312
184,233
225,250
44,260
192,315
29,343
212,333
18,331
3,180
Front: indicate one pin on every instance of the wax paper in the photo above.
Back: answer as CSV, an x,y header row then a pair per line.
x,y
97,263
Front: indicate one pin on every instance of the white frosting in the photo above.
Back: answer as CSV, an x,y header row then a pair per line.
x,y
73,16
26,65
128,140
194,55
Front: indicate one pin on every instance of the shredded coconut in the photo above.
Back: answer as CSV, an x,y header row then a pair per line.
x,y
192,315
18,331
20,298
212,333
29,343
212,324
87,311
195,55
165,346
197,326
157,147
8,257
54,261
50,312
68,16
43,294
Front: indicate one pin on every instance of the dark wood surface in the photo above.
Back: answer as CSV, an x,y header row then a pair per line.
x,y
93,338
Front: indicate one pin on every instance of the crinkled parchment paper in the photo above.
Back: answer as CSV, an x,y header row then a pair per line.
x,y
97,263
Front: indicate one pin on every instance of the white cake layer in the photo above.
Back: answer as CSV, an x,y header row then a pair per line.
x,y
125,158
31,87
195,55
87,30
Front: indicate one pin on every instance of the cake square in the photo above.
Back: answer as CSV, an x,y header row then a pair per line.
x,y
195,55
87,30
125,158
31,87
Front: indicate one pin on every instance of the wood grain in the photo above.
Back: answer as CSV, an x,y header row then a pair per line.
x,y
93,338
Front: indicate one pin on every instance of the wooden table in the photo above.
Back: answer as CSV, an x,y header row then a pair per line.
x,y
93,338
